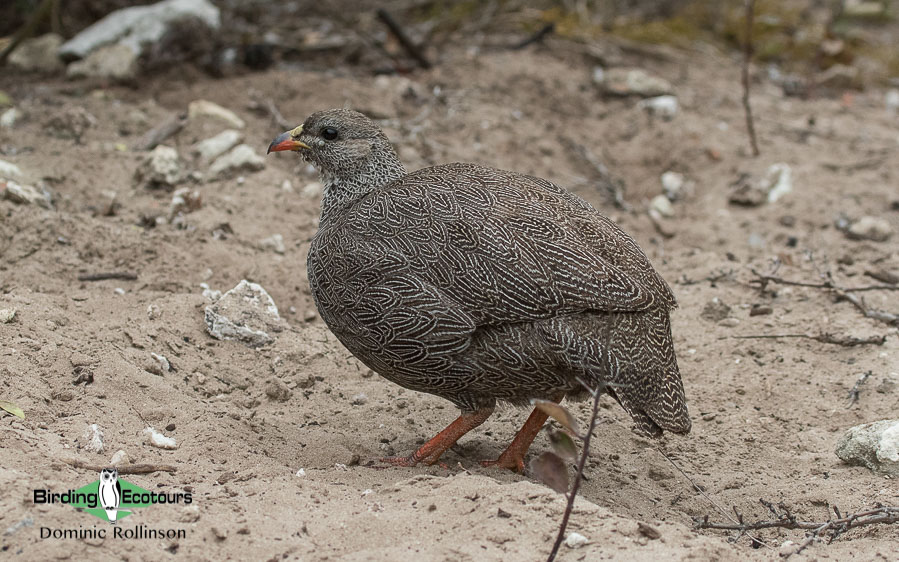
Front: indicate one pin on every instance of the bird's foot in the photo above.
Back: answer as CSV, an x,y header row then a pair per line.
x,y
512,462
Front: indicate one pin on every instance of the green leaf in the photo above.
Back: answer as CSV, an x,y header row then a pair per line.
x,y
558,413
12,409
551,470
563,445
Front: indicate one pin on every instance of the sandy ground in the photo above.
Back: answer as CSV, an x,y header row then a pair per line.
x,y
278,445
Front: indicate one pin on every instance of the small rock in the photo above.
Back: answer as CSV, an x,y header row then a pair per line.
x,y
25,194
663,106
94,437
663,205
673,185
113,62
40,54
9,170
79,359
159,440
888,384
70,123
301,473
277,391
760,310
140,27
787,549
161,168
870,228
189,514
286,186
245,313
729,322
7,315
891,100
119,458
213,147
746,193
310,315
10,117
159,365
631,81
209,293
360,399
275,243
576,540
863,8
715,310
220,533
778,181
313,189
205,108
874,445
184,200
241,157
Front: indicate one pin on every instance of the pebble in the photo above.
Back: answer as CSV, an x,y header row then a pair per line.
x,y
39,54
94,437
184,200
119,458
7,315
286,186
159,440
9,170
205,108
715,310
162,363
874,445
161,168
209,293
10,117
777,182
213,147
729,322
277,390
665,107
870,228
760,310
301,473
663,205
891,99
189,514
360,399
23,194
275,243
113,62
630,81
245,313
241,157
673,185
576,540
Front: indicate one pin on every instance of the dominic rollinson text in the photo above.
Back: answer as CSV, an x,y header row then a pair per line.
x,y
139,532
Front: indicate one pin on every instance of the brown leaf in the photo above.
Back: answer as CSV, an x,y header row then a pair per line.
x,y
558,413
551,470
563,445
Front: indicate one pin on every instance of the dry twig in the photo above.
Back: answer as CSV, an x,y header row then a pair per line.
x,y
404,40
855,391
127,469
845,341
784,519
157,135
122,275
747,58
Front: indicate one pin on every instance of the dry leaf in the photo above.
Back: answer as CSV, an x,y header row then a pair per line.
x,y
558,413
563,445
12,409
551,470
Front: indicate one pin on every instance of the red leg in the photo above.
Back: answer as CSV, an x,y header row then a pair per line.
x,y
430,452
513,457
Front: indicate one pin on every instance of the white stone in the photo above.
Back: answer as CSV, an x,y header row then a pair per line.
x,y
116,62
631,81
870,228
673,185
209,293
161,168
163,361
9,170
663,205
301,473
275,243
139,26
245,313
576,540
10,117
94,437
25,194
206,108
213,147
778,181
39,54
119,458
159,440
7,315
241,157
874,445
891,99
665,107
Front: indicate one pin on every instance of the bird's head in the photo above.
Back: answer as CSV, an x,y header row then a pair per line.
x,y
339,142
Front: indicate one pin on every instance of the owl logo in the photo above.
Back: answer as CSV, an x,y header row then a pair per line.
x,y
110,492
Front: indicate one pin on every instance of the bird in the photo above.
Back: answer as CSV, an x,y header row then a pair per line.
x,y
110,492
483,286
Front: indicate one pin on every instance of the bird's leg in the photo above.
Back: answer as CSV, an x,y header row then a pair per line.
x,y
513,457
430,452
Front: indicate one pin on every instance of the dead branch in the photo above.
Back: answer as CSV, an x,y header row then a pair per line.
x,y
784,519
883,276
612,186
122,275
157,135
404,39
537,37
127,469
855,391
747,58
267,105
845,341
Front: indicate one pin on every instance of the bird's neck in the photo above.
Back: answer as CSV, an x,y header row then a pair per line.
x,y
341,191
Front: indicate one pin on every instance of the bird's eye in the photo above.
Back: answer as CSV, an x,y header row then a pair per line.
x,y
329,133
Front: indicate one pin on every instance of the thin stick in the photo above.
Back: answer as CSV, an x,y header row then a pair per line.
x,y
123,275
160,133
787,520
855,391
537,37
404,39
127,469
846,341
747,57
